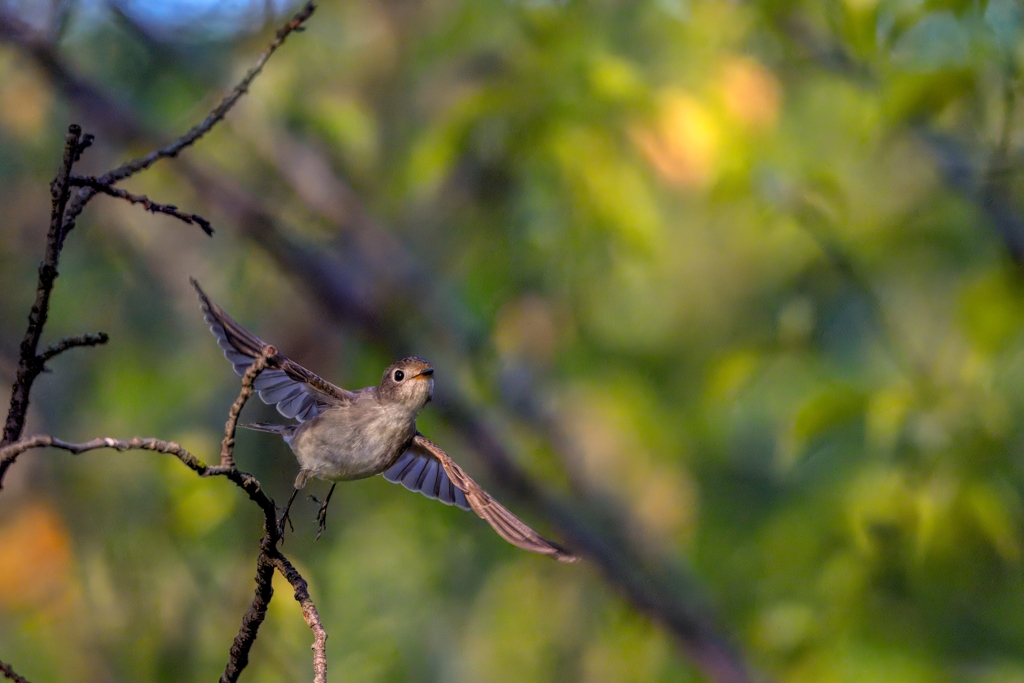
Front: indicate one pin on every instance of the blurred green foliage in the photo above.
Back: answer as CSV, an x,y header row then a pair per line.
x,y
759,257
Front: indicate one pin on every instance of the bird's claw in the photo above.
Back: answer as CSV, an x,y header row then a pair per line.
x,y
321,515
285,518
321,520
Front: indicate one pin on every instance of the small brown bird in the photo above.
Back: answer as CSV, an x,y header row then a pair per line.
x,y
344,435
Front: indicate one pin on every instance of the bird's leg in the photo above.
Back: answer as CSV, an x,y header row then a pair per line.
x,y
321,515
300,482
284,516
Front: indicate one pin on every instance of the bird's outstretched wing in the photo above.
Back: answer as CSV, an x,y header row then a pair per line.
x,y
426,468
296,391
417,470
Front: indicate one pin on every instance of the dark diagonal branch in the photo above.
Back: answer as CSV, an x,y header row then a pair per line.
x,y
238,656
369,275
29,364
148,204
310,614
9,673
63,345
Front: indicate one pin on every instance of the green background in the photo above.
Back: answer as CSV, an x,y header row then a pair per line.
x,y
742,279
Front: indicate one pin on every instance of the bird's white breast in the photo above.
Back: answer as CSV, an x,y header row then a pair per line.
x,y
353,441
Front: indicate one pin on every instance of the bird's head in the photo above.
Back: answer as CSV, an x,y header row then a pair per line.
x,y
409,381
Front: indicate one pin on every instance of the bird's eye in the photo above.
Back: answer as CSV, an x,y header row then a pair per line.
x,y
399,375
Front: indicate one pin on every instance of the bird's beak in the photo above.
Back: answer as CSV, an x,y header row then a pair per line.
x,y
425,373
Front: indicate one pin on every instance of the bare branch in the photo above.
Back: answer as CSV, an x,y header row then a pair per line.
x,y
310,614
63,220
8,672
29,366
124,125
72,342
238,656
202,128
94,183
64,216
10,452
227,446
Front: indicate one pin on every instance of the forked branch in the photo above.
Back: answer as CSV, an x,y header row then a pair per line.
x,y
29,364
64,213
269,556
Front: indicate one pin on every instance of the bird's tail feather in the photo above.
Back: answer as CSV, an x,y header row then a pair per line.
x,y
283,430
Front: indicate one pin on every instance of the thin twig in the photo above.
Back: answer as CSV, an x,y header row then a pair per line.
x,y
10,452
29,365
94,183
227,446
202,128
8,672
58,71
310,614
72,342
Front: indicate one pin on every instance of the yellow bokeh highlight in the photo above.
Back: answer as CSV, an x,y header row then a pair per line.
x,y
615,79
750,93
611,456
25,102
731,374
684,143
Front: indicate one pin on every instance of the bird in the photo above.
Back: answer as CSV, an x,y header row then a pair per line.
x,y
344,435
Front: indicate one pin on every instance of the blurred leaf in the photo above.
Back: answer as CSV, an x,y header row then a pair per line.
x,y
991,311
938,41
834,407
886,415
1005,18
995,514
